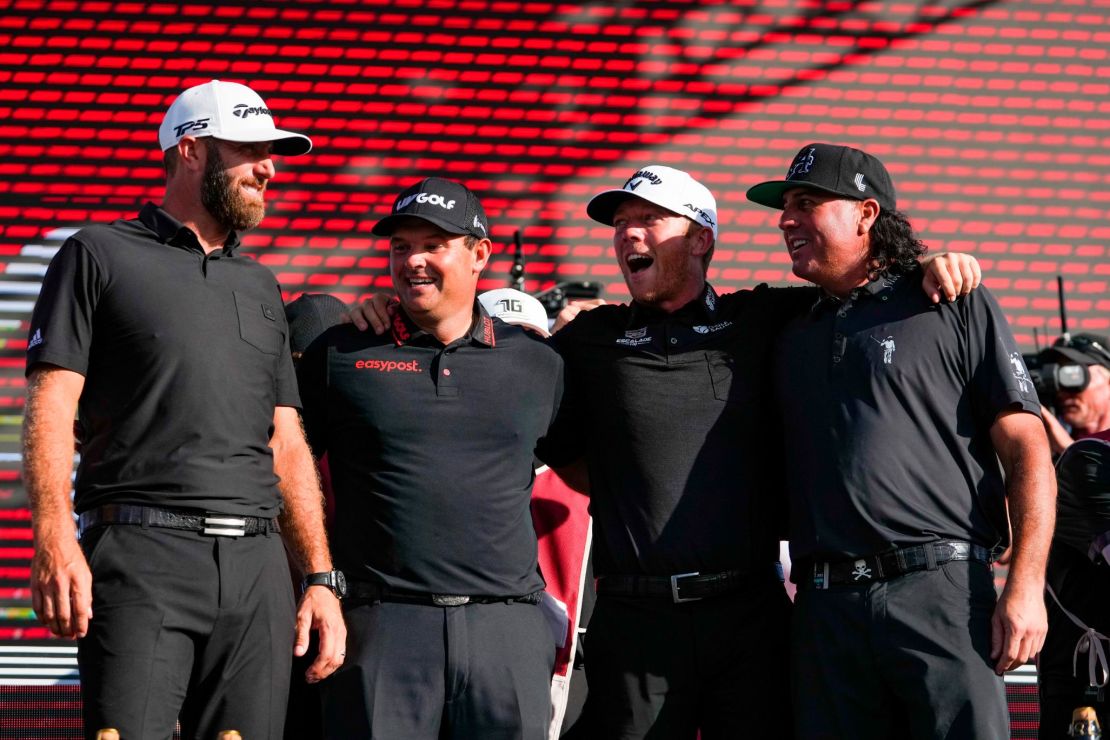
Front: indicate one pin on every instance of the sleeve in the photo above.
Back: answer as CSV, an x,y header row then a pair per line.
x,y
563,443
999,378
285,375
1083,475
312,381
61,331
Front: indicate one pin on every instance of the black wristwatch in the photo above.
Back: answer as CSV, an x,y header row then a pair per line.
x,y
333,579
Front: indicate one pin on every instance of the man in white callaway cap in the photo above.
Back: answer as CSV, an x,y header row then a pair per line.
x,y
667,401
173,350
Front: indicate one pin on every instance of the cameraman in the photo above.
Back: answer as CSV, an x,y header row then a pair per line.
x,y
1082,411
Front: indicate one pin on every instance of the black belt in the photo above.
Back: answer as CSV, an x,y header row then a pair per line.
x,y
887,565
681,587
222,525
369,591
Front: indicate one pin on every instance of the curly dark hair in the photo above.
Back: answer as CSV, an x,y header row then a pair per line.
x,y
894,245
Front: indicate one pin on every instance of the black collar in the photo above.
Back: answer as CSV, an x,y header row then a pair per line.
x,y
171,231
405,330
701,310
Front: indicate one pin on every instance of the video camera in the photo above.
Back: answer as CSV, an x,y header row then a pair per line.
x,y
1063,366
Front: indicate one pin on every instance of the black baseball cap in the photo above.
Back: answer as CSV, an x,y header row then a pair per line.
x,y
840,170
448,204
310,316
1083,349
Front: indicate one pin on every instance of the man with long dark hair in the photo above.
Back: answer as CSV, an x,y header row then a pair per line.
x,y
894,410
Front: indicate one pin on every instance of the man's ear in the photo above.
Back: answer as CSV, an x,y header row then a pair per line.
x,y
703,242
868,212
482,251
191,152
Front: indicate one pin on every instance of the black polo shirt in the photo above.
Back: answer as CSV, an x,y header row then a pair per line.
x,y
672,414
887,403
185,357
1081,584
430,449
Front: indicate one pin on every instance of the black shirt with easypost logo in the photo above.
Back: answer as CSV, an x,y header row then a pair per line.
x,y
185,357
430,449
887,402
672,412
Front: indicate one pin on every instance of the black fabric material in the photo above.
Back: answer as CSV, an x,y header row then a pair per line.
x,y
475,672
688,586
430,449
908,657
366,591
886,565
153,517
672,413
185,356
1082,585
186,626
662,670
887,403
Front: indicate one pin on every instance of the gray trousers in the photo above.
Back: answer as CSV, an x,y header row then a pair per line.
x,y
414,672
906,658
186,626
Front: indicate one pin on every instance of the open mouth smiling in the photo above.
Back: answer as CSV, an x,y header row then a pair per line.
x,y
637,262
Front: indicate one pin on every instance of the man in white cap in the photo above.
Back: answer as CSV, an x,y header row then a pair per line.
x,y
173,351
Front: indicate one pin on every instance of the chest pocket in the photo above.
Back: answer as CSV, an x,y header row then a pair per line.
x,y
258,324
721,372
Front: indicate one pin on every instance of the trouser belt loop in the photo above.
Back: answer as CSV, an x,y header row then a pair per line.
x,y
146,515
931,556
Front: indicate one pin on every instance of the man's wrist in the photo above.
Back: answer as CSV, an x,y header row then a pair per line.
x,y
333,580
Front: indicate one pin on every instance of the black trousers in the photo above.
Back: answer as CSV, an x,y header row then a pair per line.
x,y
662,671
906,658
186,627
413,672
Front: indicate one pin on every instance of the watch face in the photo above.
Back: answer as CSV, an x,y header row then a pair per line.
x,y
340,584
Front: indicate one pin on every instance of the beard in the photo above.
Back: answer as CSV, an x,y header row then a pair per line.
x,y
222,198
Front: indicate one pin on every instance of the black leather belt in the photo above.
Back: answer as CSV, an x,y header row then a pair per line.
x,y
887,565
369,591
681,587
217,525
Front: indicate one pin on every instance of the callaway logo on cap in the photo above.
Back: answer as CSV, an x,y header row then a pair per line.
x,y
840,170
228,111
448,204
667,187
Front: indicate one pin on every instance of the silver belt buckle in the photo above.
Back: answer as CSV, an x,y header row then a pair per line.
x,y
224,526
449,600
674,587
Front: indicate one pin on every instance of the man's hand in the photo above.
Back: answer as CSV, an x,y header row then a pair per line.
x,y
1018,628
61,586
572,309
319,610
373,312
950,275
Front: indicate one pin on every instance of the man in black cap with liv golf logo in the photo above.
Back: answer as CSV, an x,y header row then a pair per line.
x,y
897,412
430,431
173,349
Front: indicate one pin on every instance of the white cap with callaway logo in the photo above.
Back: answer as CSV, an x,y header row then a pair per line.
x,y
228,111
664,186
515,307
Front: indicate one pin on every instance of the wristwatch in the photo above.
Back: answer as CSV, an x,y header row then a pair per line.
x,y
333,579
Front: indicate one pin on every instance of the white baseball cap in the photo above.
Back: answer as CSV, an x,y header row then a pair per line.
x,y
229,111
672,189
514,307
